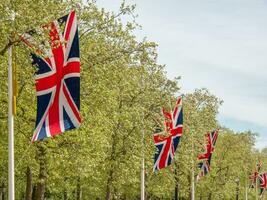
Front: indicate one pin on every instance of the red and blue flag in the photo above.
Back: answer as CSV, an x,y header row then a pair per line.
x,y
167,145
205,157
263,183
58,79
211,139
204,168
254,176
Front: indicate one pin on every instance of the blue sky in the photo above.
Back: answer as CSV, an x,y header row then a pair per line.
x,y
217,44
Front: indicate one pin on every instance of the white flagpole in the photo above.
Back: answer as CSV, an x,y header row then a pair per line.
x,y
143,172
11,184
247,183
143,155
246,197
193,173
143,138
256,189
193,185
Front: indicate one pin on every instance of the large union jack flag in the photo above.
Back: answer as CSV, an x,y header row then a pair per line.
x,y
205,157
58,79
167,145
263,183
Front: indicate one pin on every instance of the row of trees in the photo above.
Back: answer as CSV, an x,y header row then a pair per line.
x,y
122,91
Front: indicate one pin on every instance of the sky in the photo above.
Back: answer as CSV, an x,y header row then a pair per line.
x,y
216,44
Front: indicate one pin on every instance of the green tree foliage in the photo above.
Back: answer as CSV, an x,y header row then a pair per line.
x,y
123,89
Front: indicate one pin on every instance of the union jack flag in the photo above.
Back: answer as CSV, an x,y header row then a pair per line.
x,y
263,183
204,165
211,139
167,145
58,79
204,168
253,177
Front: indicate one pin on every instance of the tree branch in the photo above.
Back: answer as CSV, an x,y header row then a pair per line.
x,y
101,25
10,43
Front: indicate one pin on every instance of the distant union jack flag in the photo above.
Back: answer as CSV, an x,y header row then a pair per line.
x,y
167,145
263,182
211,139
58,80
204,168
253,177
205,158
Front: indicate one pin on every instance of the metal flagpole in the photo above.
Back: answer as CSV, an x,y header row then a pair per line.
x,y
143,142
193,186
246,189
193,174
143,169
143,160
248,184
256,188
11,184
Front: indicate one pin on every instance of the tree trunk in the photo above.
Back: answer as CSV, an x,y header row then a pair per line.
x,y
28,195
41,184
111,170
34,196
79,190
40,188
42,173
65,195
209,198
176,197
109,182
1,192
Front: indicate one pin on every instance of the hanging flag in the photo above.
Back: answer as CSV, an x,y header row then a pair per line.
x,y
263,183
211,139
253,177
57,79
205,158
167,145
204,168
